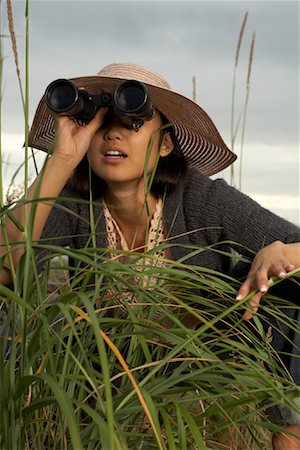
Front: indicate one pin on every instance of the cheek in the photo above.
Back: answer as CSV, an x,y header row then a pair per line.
x,y
92,157
149,137
89,155
94,145
96,139
146,149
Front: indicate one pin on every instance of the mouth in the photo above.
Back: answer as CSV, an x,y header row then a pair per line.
x,y
114,154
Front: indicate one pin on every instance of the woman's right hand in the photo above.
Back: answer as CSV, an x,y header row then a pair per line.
x,y
72,141
71,144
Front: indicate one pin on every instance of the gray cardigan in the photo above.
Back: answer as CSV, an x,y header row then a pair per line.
x,y
199,212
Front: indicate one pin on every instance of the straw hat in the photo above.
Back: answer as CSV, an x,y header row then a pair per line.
x,y
195,132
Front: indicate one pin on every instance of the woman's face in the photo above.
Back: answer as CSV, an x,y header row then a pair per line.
x,y
118,154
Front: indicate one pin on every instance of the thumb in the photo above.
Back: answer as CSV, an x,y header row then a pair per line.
x,y
97,121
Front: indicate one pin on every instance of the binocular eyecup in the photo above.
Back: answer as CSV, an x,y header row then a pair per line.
x,y
130,102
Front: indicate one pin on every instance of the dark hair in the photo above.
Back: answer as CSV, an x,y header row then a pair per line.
x,y
170,170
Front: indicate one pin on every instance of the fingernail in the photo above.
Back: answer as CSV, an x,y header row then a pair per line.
x,y
282,274
239,297
263,288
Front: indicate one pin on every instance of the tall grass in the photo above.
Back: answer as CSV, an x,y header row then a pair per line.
x,y
239,124
80,371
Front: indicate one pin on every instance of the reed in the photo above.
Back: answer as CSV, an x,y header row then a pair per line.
x,y
239,123
13,39
194,94
236,62
94,379
241,155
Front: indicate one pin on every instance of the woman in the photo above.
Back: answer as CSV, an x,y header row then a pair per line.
x,y
182,141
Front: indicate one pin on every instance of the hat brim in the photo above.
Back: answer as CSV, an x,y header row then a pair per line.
x,y
196,134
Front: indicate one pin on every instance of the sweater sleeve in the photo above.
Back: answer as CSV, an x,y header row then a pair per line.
x,y
246,222
226,214
62,222
61,225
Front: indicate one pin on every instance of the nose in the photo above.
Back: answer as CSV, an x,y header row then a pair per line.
x,y
113,127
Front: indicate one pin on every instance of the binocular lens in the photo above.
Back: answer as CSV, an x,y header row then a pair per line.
x,y
130,102
61,96
130,97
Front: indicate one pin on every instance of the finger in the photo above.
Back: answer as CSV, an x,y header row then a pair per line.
x,y
281,270
62,121
289,267
97,121
261,280
244,290
253,306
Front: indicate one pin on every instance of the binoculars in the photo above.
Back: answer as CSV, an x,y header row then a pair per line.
x,y
130,102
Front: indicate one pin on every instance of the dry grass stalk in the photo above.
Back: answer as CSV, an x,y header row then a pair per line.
x,y
251,58
194,88
13,35
240,39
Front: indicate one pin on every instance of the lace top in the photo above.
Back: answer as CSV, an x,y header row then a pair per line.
x,y
116,241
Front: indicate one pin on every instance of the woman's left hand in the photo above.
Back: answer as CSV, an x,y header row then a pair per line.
x,y
274,260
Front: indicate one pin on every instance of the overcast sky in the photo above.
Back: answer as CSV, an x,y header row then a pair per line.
x,y
179,39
